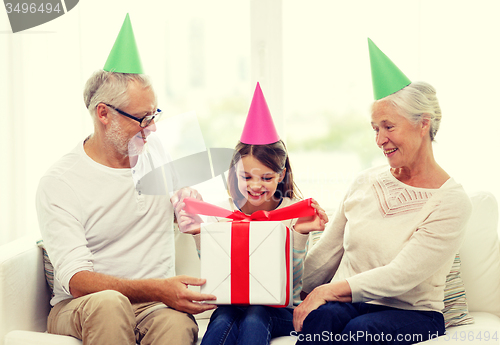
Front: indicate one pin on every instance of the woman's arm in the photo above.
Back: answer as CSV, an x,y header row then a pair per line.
x,y
434,243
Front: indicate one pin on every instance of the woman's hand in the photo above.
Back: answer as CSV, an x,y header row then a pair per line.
x,y
338,291
316,222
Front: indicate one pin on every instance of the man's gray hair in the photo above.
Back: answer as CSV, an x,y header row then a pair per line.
x,y
415,102
111,88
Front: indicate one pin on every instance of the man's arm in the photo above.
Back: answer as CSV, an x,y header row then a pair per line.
x,y
173,291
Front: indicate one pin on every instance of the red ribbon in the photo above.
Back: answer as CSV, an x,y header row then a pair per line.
x,y
240,263
298,210
240,251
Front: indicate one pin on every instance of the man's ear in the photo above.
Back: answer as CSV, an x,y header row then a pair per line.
x,y
102,113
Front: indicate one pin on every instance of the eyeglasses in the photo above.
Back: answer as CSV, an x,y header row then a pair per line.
x,y
143,122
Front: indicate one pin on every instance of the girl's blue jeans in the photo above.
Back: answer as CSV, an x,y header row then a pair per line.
x,y
364,323
253,325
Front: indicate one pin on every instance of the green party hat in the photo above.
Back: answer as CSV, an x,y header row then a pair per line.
x,y
387,78
124,56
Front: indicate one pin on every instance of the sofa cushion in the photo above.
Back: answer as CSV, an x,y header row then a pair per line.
x,y
480,254
484,331
38,338
455,310
48,269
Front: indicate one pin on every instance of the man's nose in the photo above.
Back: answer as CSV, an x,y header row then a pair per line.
x,y
150,128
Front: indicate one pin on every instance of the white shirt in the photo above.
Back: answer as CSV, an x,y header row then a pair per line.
x,y
94,218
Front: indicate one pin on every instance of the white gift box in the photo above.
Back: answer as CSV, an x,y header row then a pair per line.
x,y
264,254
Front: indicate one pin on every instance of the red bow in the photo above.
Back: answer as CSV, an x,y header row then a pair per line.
x,y
298,210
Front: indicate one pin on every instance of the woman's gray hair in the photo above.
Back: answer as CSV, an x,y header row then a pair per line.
x,y
111,88
415,102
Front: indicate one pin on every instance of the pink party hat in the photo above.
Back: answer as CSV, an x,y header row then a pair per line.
x,y
259,127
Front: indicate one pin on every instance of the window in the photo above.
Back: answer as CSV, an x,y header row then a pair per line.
x,y
327,85
206,57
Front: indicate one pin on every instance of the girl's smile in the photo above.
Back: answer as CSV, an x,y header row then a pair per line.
x,y
257,183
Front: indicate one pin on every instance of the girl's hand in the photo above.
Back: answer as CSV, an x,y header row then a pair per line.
x,y
338,291
178,198
188,223
316,222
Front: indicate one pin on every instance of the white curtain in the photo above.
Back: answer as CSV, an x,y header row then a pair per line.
x,y
196,52
41,112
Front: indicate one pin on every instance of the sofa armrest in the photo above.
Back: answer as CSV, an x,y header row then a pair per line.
x,y
24,295
480,255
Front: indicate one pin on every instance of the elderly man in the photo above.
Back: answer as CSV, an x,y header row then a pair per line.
x,y
112,246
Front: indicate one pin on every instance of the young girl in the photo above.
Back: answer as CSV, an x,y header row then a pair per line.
x,y
260,178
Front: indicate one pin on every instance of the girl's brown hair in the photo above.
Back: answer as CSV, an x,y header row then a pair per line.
x,y
275,157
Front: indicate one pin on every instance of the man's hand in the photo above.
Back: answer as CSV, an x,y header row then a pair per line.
x,y
174,292
315,222
339,291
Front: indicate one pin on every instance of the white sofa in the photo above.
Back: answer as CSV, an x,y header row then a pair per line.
x,y
24,296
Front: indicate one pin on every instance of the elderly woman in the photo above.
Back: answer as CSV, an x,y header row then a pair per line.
x,y
393,239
